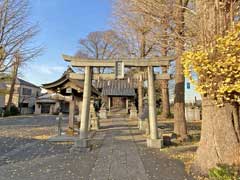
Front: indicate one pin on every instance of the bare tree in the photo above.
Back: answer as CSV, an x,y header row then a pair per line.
x,y
171,15
180,125
138,30
16,33
140,33
101,45
16,39
164,83
15,69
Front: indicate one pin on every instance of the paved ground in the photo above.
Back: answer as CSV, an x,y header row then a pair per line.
x,y
118,152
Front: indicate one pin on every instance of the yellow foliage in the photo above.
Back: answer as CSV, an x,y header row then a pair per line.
x,y
41,137
215,70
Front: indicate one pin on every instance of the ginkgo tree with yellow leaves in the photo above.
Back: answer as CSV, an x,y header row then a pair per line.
x,y
217,68
215,71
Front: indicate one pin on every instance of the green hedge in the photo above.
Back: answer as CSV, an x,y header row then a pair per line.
x,y
12,112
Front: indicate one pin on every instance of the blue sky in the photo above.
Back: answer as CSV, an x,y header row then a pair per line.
x,y
62,23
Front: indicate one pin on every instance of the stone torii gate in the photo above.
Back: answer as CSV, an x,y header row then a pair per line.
x,y
154,140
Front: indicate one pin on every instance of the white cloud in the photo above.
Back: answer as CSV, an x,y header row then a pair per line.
x,y
48,70
41,74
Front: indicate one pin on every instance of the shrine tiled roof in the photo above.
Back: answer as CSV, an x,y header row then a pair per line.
x,y
118,92
117,87
64,81
118,84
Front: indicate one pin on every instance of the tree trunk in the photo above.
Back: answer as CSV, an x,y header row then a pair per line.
x,y
220,136
140,94
14,78
165,97
180,125
140,81
164,83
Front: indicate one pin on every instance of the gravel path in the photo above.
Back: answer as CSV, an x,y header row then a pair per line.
x,y
118,152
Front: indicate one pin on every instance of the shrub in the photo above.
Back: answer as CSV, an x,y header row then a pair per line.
x,y
1,112
224,172
12,112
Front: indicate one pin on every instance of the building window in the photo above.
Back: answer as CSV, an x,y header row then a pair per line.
x,y
27,92
24,105
188,85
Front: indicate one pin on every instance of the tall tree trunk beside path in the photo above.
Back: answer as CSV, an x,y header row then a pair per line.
x,y
180,125
140,80
165,97
220,136
164,83
13,80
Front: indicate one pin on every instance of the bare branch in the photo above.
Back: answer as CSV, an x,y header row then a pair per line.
x,y
16,32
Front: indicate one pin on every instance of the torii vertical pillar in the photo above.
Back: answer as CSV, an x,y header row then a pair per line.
x,y
80,112
153,141
109,103
140,94
127,105
71,113
83,141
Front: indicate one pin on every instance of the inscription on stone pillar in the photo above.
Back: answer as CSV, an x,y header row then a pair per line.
x,y
119,70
